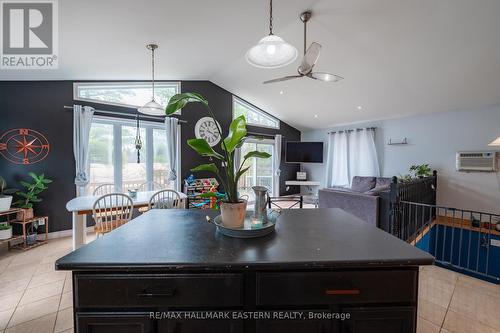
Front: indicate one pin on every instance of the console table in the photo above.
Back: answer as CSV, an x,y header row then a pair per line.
x,y
171,271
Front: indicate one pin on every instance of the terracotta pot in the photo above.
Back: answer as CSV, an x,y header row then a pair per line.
x,y
25,214
233,214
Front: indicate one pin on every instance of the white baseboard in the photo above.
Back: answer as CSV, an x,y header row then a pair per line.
x,y
66,233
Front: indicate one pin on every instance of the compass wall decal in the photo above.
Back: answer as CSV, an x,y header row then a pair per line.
x,y
24,146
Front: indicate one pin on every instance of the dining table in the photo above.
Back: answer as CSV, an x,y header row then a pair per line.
x,y
83,205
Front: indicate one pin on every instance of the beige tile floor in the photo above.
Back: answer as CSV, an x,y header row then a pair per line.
x,y
36,298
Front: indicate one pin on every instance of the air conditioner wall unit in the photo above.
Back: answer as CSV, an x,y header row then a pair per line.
x,y
479,161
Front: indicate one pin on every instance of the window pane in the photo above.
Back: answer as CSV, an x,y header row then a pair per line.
x,y
260,172
131,94
133,173
160,159
100,155
253,115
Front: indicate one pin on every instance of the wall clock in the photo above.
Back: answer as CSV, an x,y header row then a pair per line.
x,y
206,128
24,146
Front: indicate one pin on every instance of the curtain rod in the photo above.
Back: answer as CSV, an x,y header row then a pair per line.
x,y
351,130
127,114
263,134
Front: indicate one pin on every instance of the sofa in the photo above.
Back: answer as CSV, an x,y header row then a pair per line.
x,y
367,198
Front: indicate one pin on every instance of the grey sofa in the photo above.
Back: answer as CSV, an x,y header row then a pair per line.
x,y
363,199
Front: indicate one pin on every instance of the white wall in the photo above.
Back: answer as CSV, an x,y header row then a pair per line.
x,y
434,139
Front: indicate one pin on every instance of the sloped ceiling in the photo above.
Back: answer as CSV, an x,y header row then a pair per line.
x,y
398,57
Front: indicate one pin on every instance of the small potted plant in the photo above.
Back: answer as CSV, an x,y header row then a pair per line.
x,y
30,196
232,207
421,171
5,198
5,231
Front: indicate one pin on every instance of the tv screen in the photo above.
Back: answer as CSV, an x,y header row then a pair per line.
x,y
304,152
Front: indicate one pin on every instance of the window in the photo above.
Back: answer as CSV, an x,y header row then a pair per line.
x,y
113,157
261,169
253,115
130,94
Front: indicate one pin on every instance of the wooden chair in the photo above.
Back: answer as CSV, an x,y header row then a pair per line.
x,y
165,199
281,203
151,186
104,189
111,211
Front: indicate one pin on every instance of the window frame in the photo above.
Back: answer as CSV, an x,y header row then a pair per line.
x,y
148,126
247,105
254,140
76,85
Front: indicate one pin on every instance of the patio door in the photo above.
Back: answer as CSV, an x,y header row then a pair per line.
x,y
261,170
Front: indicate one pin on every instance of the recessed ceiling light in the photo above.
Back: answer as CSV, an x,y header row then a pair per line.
x,y
281,92
315,116
359,107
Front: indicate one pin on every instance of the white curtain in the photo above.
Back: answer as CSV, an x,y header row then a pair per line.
x,y
173,139
277,162
82,121
351,153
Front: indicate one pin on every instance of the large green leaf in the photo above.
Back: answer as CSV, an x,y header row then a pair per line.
x,y
240,173
179,101
255,153
210,167
237,131
202,147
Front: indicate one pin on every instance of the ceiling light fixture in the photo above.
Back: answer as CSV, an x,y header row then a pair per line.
x,y
152,108
315,116
359,107
271,51
281,92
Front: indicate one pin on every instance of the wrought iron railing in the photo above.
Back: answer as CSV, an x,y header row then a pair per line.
x,y
459,239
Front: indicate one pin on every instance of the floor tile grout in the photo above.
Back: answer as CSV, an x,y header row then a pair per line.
x,y
448,307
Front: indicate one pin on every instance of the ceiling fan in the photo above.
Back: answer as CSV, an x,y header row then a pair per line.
x,y
309,59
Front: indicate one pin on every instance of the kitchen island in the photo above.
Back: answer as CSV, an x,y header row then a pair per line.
x,y
323,270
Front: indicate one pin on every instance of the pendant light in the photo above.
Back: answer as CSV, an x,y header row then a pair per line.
x,y
152,108
138,139
271,51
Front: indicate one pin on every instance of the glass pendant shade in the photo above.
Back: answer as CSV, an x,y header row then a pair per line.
x,y
495,142
271,52
152,108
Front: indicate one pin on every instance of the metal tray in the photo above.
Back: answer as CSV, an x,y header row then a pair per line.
x,y
248,231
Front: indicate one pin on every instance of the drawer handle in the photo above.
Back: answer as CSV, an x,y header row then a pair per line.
x,y
342,291
166,293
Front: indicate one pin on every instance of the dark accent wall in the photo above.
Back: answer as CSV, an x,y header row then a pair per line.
x,y
39,105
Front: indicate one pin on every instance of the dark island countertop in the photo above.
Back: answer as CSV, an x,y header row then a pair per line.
x,y
304,239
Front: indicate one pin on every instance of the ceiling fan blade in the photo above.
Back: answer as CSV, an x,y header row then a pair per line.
x,y
310,58
327,77
284,78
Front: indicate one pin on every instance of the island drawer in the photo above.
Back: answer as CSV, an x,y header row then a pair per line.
x,y
162,290
320,288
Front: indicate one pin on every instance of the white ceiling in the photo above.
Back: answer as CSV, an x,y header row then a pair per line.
x,y
398,57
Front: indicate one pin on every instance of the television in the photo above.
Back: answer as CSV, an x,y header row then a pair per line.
x,y
304,152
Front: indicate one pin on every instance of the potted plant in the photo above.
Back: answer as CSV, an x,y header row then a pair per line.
x,y
5,198
421,171
233,208
5,231
30,196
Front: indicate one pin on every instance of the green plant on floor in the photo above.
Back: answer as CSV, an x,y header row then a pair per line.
x,y
237,132
420,171
33,189
4,191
